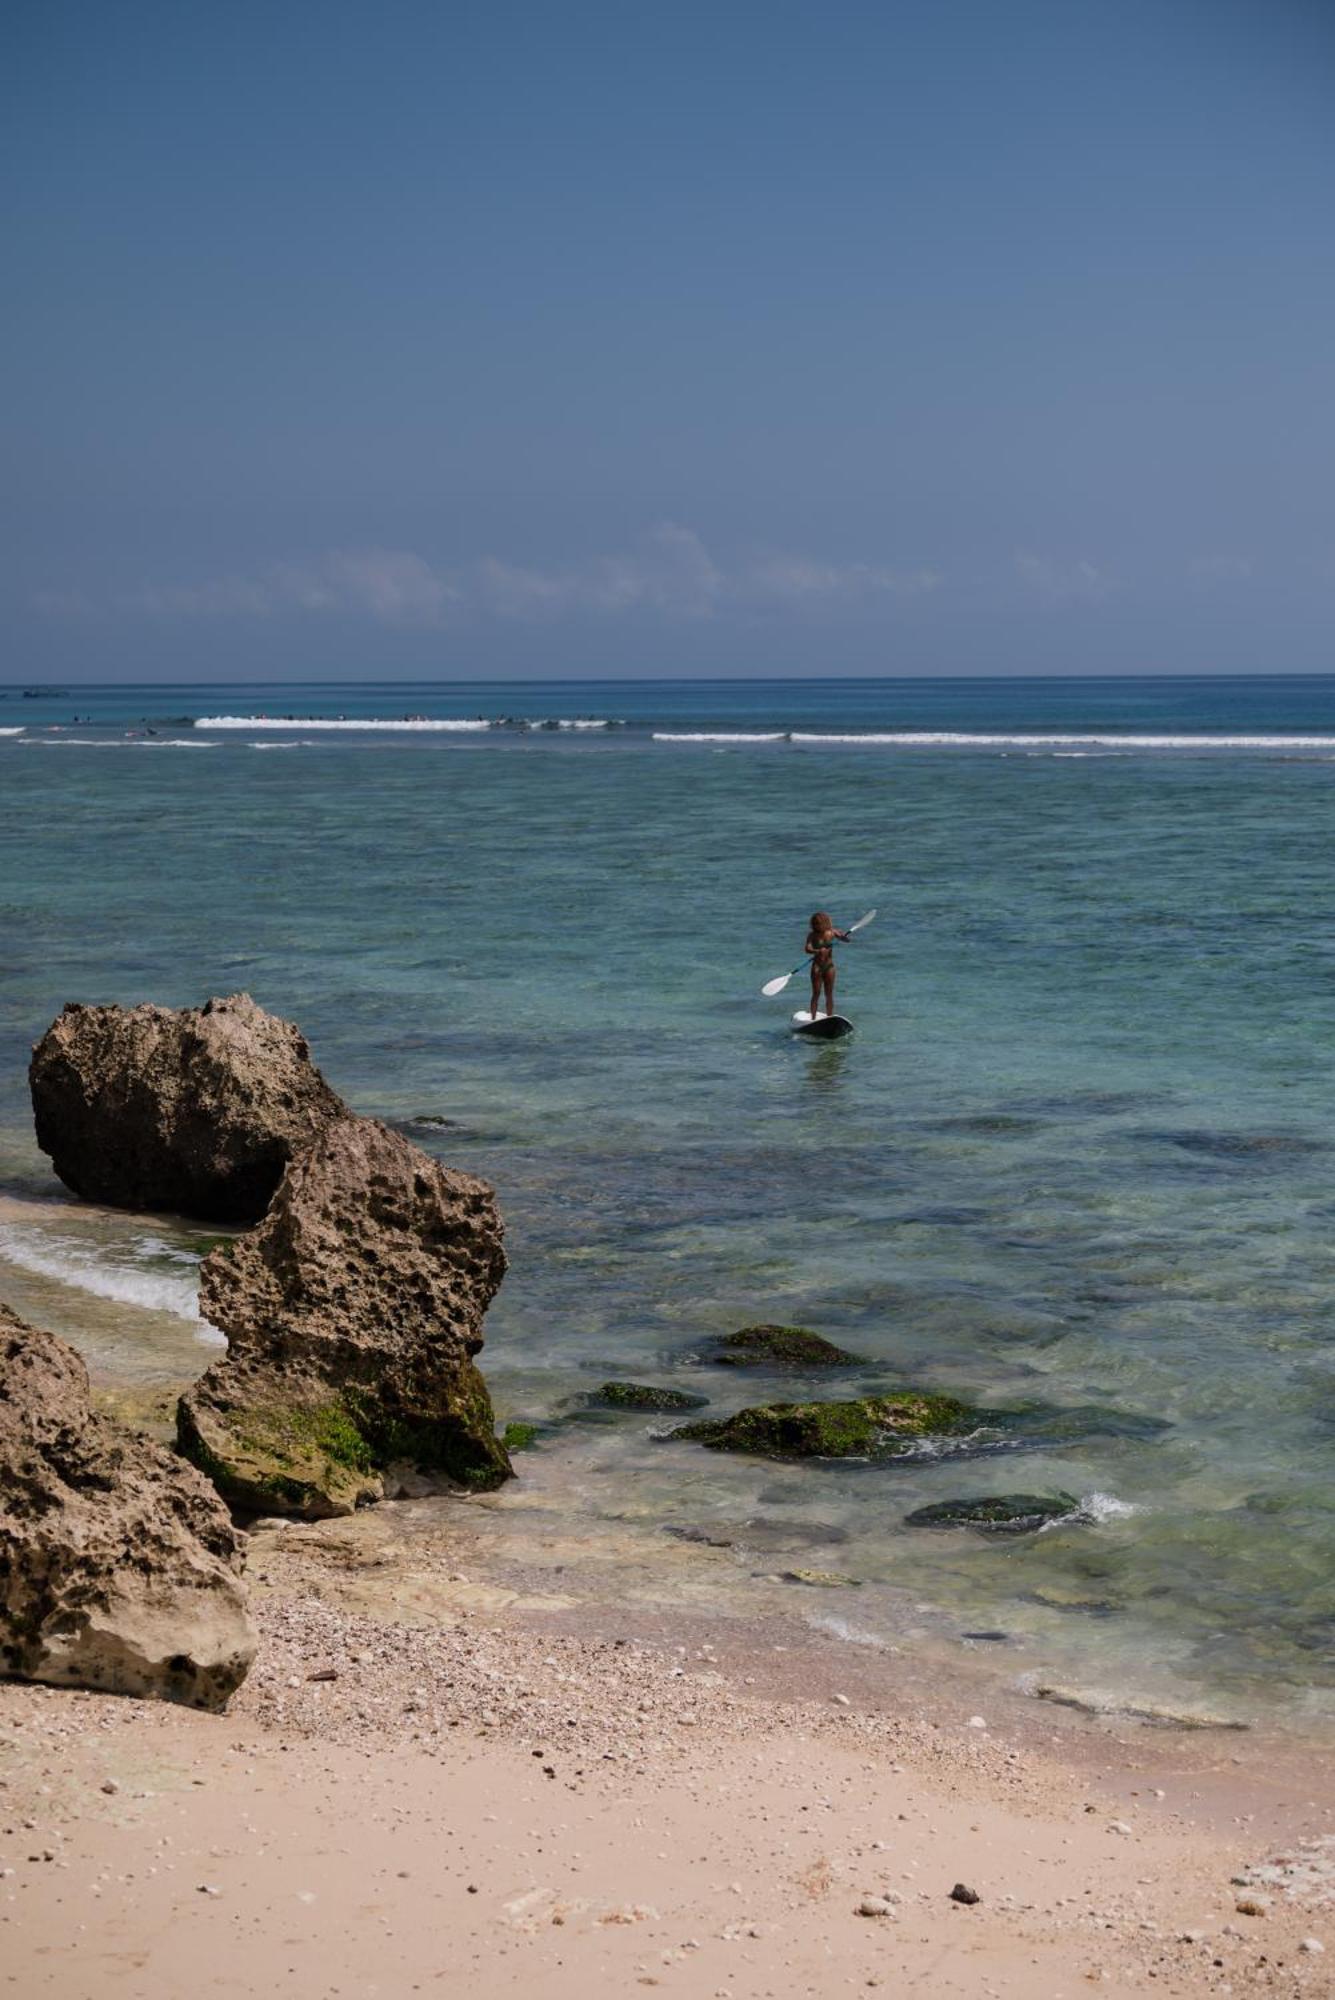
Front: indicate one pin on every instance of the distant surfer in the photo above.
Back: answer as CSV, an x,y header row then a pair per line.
x,y
819,948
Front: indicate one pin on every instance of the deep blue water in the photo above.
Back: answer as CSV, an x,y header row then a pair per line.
x,y
1080,1153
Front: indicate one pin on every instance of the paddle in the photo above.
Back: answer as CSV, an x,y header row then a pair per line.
x,y
773,986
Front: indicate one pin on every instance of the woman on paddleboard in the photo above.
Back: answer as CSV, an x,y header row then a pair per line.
x,y
819,948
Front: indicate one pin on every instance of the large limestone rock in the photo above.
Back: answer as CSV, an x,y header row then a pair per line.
x,y
119,1566
196,1109
353,1313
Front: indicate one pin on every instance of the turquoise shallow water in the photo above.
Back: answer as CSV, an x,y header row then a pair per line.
x,y
1078,1154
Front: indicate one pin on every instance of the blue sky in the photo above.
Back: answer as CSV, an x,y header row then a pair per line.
x,y
927,336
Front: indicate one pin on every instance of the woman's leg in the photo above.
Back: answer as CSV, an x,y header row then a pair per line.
x,y
829,987
815,988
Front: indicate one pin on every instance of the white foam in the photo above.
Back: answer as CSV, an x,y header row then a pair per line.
x,y
953,739
1105,1507
118,743
13,732
71,1261
401,724
407,722
969,740
852,1635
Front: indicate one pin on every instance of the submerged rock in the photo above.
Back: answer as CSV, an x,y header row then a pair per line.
x,y
821,1579
793,1347
197,1109
353,1313
643,1396
119,1567
999,1514
871,1424
520,1436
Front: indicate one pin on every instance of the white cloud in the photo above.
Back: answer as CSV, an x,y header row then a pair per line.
x,y
793,578
392,586
667,573
1063,583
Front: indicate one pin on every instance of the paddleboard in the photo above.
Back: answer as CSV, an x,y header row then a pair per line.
x,y
825,1027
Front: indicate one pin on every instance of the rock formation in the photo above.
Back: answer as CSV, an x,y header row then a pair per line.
x,y
998,1513
119,1566
643,1396
196,1109
870,1425
353,1313
784,1347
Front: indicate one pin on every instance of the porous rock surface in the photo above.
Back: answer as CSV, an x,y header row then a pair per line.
x,y
196,1109
119,1566
353,1312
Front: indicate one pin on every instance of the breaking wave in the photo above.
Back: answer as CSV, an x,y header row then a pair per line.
x,y
70,1261
954,739
399,725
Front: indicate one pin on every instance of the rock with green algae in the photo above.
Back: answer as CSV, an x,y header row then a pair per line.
x,y
644,1396
119,1567
777,1347
520,1436
353,1313
997,1514
869,1426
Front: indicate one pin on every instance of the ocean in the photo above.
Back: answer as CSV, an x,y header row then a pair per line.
x,y
1077,1162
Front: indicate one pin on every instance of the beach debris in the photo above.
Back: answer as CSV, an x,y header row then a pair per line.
x,y
962,1893
997,1513
352,1312
1311,1944
1252,1906
875,1906
197,1109
821,1579
1304,1873
688,1531
785,1347
120,1569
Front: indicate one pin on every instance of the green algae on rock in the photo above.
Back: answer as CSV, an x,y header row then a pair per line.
x,y
353,1312
285,1457
644,1396
119,1567
520,1436
997,1514
778,1346
869,1426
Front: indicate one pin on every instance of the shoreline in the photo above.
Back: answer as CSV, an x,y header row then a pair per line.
x,y
633,1802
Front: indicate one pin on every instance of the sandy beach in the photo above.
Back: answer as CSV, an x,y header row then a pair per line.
x,y
488,1793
